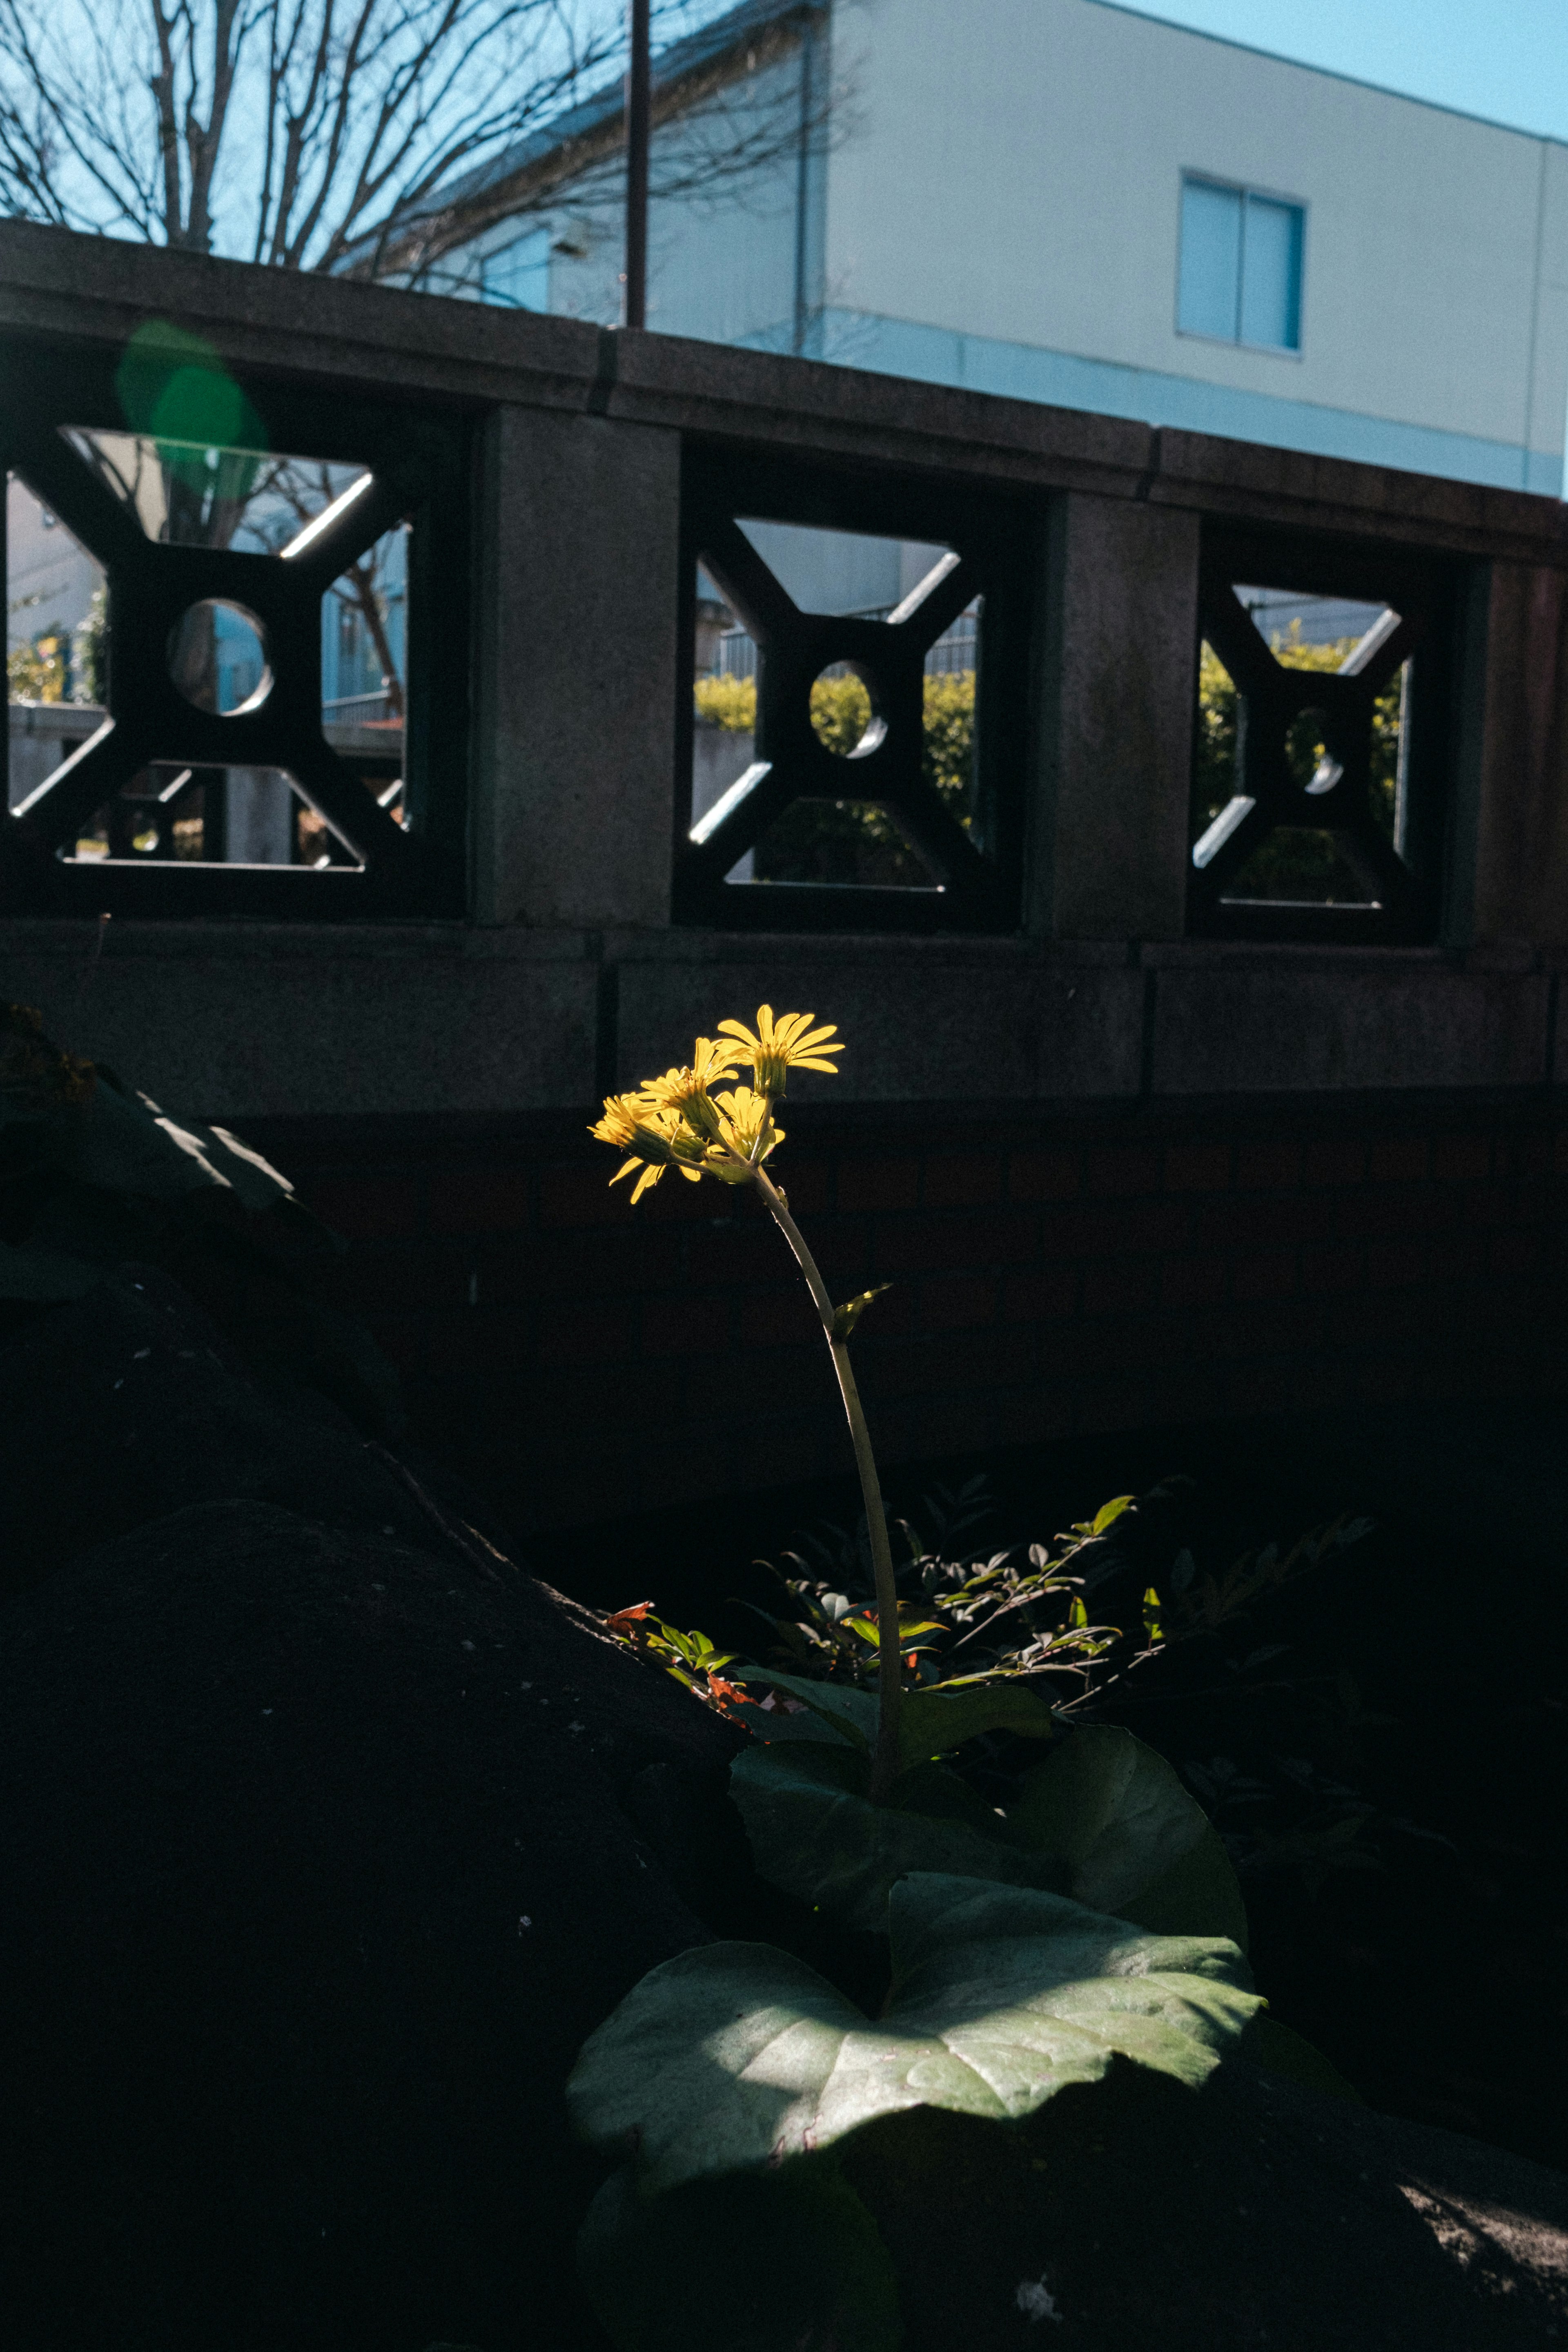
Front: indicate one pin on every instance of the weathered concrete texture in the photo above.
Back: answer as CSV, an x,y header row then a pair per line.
x,y
269,1020
1280,1023
1289,486
575,769
925,1021
1111,855
370,338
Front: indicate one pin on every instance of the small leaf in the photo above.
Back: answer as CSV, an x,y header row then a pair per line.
x,y
844,1318
733,2057
851,1713
1183,1572
1109,1512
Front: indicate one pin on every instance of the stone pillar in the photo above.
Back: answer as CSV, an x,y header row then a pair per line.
x,y
575,766
1509,837
1108,857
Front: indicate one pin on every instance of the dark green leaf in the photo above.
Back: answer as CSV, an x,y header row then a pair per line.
x,y
1280,2049
935,1722
814,1832
930,1722
849,1714
752,2262
1135,1843
733,2056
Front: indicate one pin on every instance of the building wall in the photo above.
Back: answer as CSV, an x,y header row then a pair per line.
x,y
997,206
49,578
722,259
1006,215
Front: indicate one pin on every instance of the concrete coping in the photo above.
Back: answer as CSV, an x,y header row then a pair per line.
x,y
382,341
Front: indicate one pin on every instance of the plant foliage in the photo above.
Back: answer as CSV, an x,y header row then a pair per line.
x,y
732,2057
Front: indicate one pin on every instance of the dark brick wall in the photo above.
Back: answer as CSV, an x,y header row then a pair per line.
x,y
1052,1272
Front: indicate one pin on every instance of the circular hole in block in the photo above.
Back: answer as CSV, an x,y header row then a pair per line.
x,y
845,715
218,658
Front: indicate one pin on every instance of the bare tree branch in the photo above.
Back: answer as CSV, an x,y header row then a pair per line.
x,y
321,134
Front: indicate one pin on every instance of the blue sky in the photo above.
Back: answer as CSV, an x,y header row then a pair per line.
x,y
1506,59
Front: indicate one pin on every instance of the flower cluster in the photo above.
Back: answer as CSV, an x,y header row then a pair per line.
x,y
679,1122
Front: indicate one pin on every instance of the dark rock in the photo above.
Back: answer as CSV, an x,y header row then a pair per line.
x,y
1135,2216
316,1875
129,1404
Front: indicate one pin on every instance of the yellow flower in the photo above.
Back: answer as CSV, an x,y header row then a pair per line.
x,y
747,1128
654,1140
778,1046
686,1091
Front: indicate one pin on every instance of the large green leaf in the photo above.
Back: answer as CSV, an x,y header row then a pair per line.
x,y
814,1832
752,2262
1103,1819
1134,1842
734,2056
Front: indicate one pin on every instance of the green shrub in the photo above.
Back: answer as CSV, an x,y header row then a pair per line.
x,y
841,712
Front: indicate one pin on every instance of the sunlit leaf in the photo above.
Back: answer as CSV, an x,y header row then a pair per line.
x,y
734,2056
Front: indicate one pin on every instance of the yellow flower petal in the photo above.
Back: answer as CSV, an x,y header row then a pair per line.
x,y
775,1048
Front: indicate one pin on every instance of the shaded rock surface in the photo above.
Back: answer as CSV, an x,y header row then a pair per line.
x,y
1137,2217
318,1863
130,1404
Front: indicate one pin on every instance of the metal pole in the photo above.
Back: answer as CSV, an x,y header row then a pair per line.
x,y
634,310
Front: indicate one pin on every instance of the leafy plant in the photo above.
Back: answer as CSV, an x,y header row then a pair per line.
x,y
1095,1917
736,2066
40,671
963,1618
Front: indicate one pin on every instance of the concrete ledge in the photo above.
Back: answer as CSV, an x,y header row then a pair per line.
x,y
921,1027
247,1020
1304,1028
383,341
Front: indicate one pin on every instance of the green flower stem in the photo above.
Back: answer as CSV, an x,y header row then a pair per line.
x,y
889,1678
